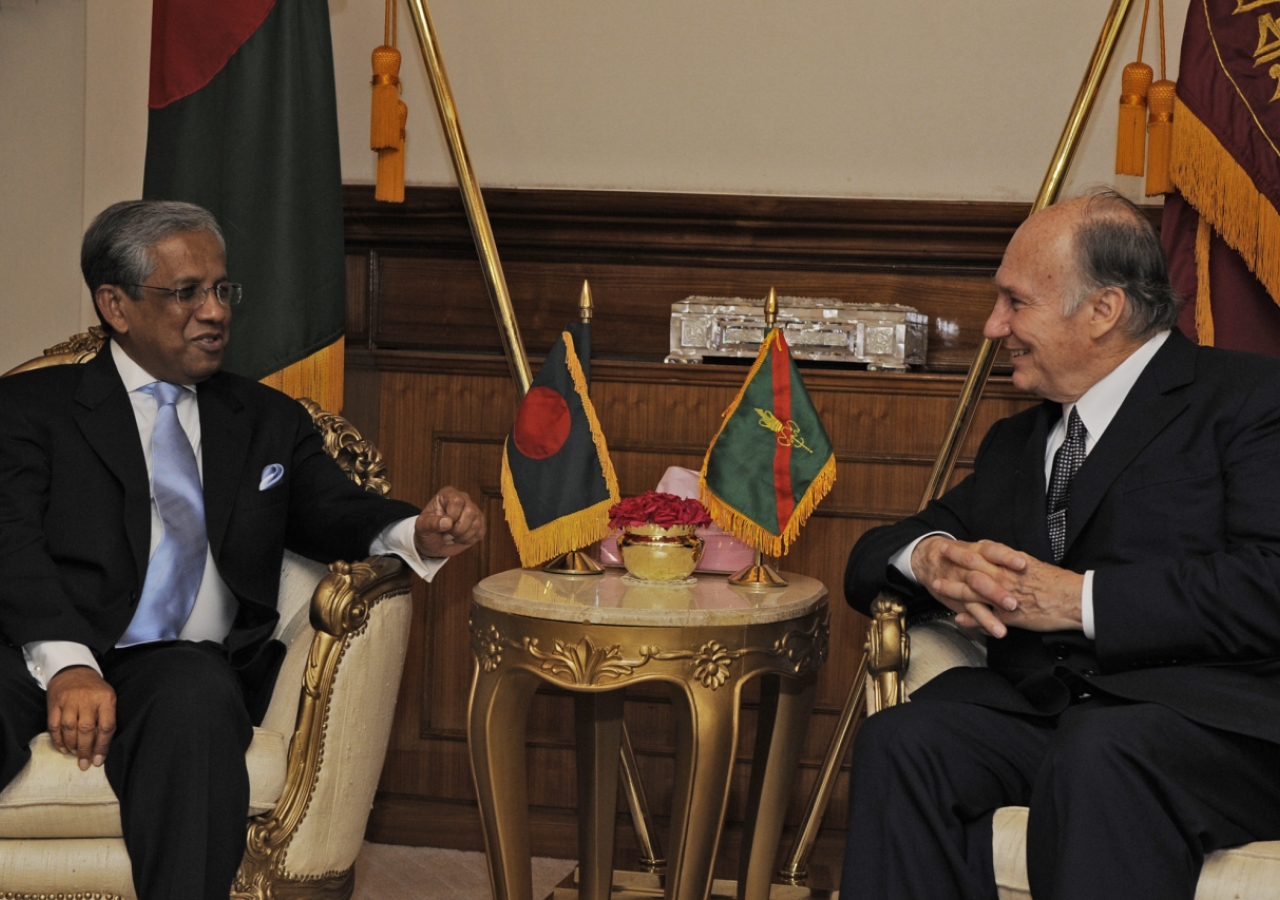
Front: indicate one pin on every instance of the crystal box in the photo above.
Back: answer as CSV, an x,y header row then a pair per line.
x,y
877,335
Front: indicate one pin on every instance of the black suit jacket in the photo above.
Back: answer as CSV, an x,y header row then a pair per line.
x,y
1177,511
75,508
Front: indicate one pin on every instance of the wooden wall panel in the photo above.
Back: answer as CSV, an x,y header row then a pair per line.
x,y
427,381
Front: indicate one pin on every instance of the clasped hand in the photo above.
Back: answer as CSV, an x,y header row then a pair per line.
x,y
449,524
991,586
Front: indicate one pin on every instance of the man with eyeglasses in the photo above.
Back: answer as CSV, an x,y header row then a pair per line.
x,y
146,500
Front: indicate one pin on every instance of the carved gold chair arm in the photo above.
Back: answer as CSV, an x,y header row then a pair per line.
x,y
888,653
340,608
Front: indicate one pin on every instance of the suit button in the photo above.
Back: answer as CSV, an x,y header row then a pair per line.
x,y
1060,651
1088,673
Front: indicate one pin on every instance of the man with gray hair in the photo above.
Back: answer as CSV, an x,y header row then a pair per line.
x,y
1119,546
146,501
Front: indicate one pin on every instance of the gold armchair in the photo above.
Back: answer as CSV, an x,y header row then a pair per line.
x,y
314,763
900,659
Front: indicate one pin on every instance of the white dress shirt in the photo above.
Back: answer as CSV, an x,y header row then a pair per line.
x,y
215,606
1097,407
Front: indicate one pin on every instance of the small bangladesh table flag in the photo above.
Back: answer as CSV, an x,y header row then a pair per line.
x,y
771,463
557,480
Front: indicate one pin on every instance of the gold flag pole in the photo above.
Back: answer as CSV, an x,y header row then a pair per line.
x,y
471,198
760,575
579,562
795,869
980,370
512,344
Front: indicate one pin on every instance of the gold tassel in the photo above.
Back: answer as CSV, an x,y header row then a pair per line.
x,y
1160,102
383,129
1131,135
1160,99
1204,312
390,184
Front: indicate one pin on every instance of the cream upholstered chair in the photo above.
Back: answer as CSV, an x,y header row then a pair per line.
x,y
1251,872
314,763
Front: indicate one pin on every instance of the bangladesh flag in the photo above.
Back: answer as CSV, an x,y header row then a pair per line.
x,y
244,123
771,463
557,480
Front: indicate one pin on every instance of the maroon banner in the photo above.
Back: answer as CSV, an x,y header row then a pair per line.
x,y
1226,167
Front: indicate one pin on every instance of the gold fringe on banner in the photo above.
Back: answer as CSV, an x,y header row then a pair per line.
x,y
746,529
576,530
741,525
1223,193
319,377
1204,312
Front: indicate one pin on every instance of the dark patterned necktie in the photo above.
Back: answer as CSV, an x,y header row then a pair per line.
x,y
1066,462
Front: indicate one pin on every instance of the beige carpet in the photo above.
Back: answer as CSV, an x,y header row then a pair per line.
x,y
394,872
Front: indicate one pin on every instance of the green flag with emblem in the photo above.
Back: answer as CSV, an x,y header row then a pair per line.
x,y
771,463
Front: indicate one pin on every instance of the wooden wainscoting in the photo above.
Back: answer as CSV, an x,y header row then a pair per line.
x,y
426,380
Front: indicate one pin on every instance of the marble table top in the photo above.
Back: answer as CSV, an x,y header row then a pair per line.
x,y
614,598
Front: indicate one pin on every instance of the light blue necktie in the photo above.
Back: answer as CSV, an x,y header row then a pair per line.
x,y
177,566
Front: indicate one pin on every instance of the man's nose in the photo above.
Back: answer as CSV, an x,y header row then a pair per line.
x,y
997,326
211,309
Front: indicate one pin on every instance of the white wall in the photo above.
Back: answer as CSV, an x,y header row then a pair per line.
x,y
41,173
939,99
73,130
944,99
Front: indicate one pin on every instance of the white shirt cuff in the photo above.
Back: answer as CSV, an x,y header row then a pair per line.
x,y
397,540
902,559
1086,606
47,658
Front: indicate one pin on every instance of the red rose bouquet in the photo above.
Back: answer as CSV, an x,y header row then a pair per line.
x,y
655,508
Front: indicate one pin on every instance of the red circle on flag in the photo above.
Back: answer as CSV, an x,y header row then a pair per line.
x,y
542,424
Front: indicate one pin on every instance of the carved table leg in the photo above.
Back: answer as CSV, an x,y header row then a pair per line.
x,y
706,738
785,705
598,721
496,737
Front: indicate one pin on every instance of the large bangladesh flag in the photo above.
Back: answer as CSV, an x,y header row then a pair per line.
x,y
771,463
244,123
557,480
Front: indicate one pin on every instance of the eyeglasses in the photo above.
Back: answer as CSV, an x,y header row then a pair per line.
x,y
193,295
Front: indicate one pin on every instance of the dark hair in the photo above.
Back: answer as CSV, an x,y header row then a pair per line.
x,y
1116,246
117,246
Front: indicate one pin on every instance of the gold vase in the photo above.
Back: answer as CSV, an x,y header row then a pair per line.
x,y
655,553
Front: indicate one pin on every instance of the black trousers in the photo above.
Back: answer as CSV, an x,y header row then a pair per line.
x,y
1126,800
176,762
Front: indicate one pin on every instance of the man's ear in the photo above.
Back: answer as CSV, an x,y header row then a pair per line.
x,y
1106,311
108,298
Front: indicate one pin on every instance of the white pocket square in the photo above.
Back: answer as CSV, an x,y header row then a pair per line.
x,y
270,476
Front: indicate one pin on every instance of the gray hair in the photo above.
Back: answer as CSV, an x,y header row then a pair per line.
x,y
1117,246
117,247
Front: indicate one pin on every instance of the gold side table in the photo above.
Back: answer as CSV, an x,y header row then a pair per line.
x,y
594,637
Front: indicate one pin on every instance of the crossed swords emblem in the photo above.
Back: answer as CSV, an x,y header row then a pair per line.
x,y
788,432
